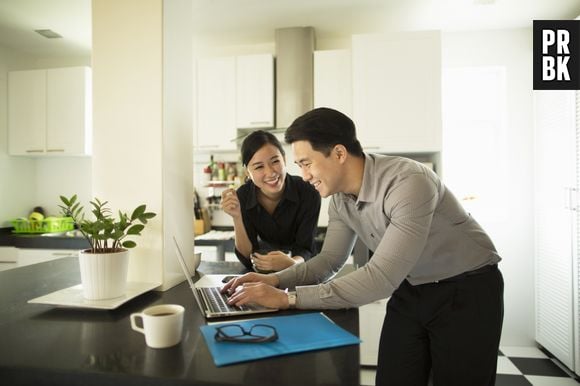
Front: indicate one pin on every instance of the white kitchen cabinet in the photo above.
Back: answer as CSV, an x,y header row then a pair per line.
x,y
34,255
29,256
255,91
333,80
27,112
557,237
397,91
332,88
371,318
233,92
49,111
68,110
216,104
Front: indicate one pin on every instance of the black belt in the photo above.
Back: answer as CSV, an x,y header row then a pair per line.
x,y
479,271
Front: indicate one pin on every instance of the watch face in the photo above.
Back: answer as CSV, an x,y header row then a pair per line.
x,y
292,300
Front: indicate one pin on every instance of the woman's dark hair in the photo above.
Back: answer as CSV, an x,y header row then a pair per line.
x,y
254,142
325,128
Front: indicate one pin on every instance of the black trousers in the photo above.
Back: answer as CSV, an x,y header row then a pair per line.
x,y
451,328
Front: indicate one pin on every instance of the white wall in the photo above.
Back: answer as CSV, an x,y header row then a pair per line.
x,y
127,119
62,176
513,232
142,136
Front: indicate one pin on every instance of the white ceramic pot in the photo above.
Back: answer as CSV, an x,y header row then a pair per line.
x,y
103,275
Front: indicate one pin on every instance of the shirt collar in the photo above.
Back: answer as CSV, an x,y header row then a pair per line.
x,y
290,192
367,193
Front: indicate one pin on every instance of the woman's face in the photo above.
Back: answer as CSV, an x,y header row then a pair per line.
x,y
267,169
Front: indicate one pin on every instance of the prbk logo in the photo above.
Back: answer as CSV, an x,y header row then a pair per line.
x,y
556,54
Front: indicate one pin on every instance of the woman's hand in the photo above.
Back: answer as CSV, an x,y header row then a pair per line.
x,y
272,261
231,203
259,293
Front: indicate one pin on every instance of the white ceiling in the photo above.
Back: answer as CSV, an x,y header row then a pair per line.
x,y
69,18
233,22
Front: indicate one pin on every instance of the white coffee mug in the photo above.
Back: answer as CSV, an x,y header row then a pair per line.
x,y
162,325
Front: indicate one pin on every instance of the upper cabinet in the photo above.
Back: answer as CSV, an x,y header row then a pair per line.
x,y
333,80
233,92
216,103
49,111
332,88
255,91
397,91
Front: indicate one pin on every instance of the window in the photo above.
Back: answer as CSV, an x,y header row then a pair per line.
x,y
474,139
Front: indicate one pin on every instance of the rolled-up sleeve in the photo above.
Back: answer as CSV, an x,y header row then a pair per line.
x,y
410,208
338,243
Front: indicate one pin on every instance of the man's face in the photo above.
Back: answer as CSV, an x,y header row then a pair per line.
x,y
318,170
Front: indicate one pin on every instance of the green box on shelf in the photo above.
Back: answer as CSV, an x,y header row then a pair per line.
x,y
48,225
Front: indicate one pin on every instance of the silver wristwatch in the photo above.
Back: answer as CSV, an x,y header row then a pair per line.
x,y
292,299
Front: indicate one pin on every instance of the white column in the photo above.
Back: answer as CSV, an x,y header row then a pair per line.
x,y
142,139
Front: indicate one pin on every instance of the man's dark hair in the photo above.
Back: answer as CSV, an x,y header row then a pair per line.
x,y
255,141
325,128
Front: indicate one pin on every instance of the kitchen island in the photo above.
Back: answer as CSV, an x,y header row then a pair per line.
x,y
47,345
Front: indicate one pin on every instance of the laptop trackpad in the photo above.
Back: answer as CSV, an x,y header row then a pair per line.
x,y
211,281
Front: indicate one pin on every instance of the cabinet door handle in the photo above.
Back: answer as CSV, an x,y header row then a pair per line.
x,y
259,122
571,198
35,151
55,150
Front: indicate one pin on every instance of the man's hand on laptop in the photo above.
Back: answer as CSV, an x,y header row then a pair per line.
x,y
250,277
259,293
244,289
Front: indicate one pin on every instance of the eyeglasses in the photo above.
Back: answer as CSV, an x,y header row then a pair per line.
x,y
258,333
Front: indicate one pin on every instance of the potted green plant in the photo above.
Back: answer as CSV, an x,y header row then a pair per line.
x,y
104,265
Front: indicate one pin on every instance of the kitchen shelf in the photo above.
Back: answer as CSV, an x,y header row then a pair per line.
x,y
219,184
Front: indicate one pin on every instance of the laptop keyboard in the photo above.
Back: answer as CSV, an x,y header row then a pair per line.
x,y
218,301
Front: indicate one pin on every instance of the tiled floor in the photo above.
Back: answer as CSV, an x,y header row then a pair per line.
x,y
516,366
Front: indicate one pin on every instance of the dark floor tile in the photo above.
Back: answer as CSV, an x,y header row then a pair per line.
x,y
538,366
511,380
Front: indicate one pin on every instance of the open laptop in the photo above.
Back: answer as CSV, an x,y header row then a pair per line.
x,y
210,301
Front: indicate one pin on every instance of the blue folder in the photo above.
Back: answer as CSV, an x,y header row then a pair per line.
x,y
296,333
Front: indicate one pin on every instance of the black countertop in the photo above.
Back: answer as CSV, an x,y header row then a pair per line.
x,y
7,238
45,345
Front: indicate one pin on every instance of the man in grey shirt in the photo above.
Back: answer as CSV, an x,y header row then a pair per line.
x,y
433,260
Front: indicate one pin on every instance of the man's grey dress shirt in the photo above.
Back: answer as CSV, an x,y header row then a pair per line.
x,y
416,227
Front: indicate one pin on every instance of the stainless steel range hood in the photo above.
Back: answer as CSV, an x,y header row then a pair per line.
x,y
294,73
